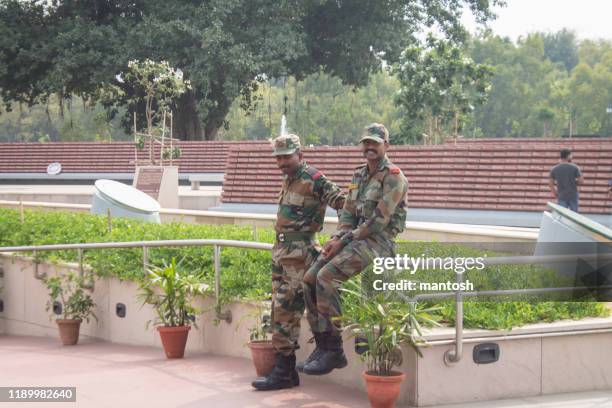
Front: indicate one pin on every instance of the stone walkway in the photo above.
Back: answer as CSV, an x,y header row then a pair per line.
x,y
117,376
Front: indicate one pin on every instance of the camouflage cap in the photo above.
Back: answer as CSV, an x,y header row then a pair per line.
x,y
375,132
286,144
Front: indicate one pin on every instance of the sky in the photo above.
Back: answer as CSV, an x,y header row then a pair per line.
x,y
590,19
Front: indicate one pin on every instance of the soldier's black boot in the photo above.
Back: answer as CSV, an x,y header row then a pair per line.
x,y
331,357
283,375
315,354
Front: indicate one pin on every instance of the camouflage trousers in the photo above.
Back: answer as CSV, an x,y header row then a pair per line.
x,y
290,260
323,279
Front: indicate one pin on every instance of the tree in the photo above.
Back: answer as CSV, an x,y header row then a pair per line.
x,y
154,84
319,108
440,86
525,81
546,115
226,48
562,47
591,94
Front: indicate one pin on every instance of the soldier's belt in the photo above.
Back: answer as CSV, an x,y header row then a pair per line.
x,y
295,236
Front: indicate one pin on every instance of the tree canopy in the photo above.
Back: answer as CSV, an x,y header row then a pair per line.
x,y
530,95
226,48
440,86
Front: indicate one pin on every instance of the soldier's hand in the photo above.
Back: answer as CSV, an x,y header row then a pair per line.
x,y
331,248
328,245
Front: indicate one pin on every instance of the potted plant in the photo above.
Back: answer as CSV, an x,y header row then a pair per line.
x,y
174,153
380,326
261,347
171,291
75,303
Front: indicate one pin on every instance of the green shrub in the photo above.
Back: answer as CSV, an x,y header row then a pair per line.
x,y
246,273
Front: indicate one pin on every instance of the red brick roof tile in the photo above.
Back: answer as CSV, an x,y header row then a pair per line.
x,y
512,175
494,174
113,157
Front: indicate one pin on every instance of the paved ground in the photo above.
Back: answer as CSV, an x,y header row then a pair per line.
x,y
117,376
595,399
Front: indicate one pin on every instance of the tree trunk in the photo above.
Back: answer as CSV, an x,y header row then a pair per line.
x,y
70,111
456,126
211,131
19,118
216,116
60,100
186,124
48,113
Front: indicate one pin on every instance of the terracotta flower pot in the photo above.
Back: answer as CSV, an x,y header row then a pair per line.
x,y
69,331
383,390
263,356
174,340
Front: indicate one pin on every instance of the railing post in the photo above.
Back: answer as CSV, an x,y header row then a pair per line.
x,y
21,215
80,258
110,221
89,284
145,258
453,356
227,316
37,274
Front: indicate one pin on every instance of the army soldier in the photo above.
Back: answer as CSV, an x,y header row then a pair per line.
x,y
373,214
302,202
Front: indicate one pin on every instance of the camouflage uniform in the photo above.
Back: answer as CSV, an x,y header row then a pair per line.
x,y
373,214
301,210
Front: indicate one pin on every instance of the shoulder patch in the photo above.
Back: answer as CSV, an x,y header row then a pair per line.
x,y
314,173
393,169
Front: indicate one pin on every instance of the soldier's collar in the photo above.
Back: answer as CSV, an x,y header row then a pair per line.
x,y
301,169
384,162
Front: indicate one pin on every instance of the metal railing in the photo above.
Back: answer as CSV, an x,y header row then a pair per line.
x,y
451,356
217,244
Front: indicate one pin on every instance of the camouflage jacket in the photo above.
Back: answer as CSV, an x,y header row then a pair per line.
x,y
375,203
303,200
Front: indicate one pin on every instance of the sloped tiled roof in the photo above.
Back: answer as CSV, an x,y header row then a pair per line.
x,y
512,175
113,157
547,141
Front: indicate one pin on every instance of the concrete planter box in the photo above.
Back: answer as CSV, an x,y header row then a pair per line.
x,y
538,359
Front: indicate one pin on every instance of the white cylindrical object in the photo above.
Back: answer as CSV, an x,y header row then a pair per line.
x,y
124,201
